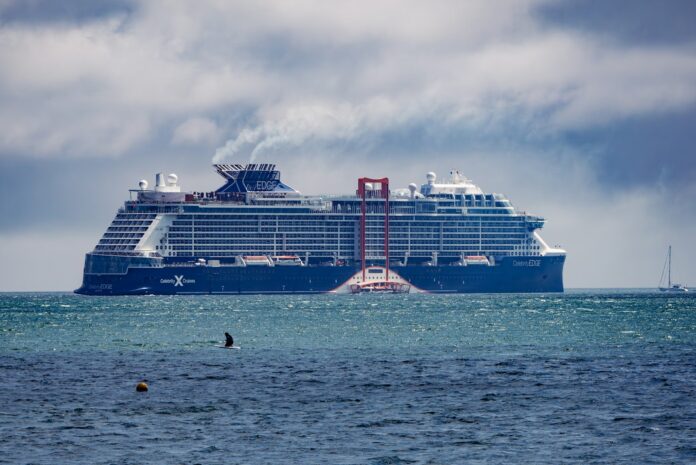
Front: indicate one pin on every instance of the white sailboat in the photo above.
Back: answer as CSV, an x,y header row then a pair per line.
x,y
670,287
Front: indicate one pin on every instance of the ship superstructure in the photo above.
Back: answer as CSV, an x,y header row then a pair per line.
x,y
256,234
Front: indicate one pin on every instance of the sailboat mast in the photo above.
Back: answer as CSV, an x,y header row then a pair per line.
x,y
669,269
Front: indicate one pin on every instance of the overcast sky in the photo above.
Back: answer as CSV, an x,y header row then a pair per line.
x,y
583,112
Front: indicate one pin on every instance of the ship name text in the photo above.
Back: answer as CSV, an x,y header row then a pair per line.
x,y
530,262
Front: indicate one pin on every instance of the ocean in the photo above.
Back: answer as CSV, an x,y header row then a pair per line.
x,y
595,376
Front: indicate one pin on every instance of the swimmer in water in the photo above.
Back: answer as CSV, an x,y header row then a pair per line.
x,y
228,340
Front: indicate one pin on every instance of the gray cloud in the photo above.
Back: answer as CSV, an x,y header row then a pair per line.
x,y
104,87
49,11
628,21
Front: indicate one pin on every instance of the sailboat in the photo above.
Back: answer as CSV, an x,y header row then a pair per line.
x,y
670,287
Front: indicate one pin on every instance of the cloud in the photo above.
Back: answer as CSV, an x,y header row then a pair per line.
x,y
626,21
107,85
49,11
538,81
102,88
195,131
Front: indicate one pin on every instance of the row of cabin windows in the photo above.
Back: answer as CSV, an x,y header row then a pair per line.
x,y
135,216
119,241
392,231
347,225
198,229
130,223
454,238
127,228
304,220
277,237
114,248
121,235
212,251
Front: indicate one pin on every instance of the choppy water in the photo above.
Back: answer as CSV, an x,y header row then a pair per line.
x,y
584,377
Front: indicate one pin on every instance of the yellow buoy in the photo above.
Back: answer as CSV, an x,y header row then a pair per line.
x,y
141,387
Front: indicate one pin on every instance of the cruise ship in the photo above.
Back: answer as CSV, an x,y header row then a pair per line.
x,y
258,235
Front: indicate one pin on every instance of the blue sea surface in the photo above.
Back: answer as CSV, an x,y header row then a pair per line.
x,y
581,377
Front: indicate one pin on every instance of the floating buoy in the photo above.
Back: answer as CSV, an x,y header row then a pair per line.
x,y
141,387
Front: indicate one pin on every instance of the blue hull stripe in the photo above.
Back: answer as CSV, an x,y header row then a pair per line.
x,y
510,274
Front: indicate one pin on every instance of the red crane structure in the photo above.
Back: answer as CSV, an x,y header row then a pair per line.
x,y
383,193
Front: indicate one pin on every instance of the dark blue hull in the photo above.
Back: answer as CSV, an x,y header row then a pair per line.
x,y
510,274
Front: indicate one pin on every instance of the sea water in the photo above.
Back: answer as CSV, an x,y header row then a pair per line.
x,y
581,377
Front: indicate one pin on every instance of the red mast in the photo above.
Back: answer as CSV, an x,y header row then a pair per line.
x,y
384,193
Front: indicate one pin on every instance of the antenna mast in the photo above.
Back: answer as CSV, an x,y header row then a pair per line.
x,y
669,269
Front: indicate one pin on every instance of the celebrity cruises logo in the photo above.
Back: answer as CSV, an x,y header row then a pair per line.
x,y
178,281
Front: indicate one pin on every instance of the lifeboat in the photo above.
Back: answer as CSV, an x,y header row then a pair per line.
x,y
287,260
476,260
257,260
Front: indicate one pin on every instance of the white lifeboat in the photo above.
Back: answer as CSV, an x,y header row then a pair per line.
x,y
476,260
257,260
287,260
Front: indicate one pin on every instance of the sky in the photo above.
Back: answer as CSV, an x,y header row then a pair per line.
x,y
582,112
